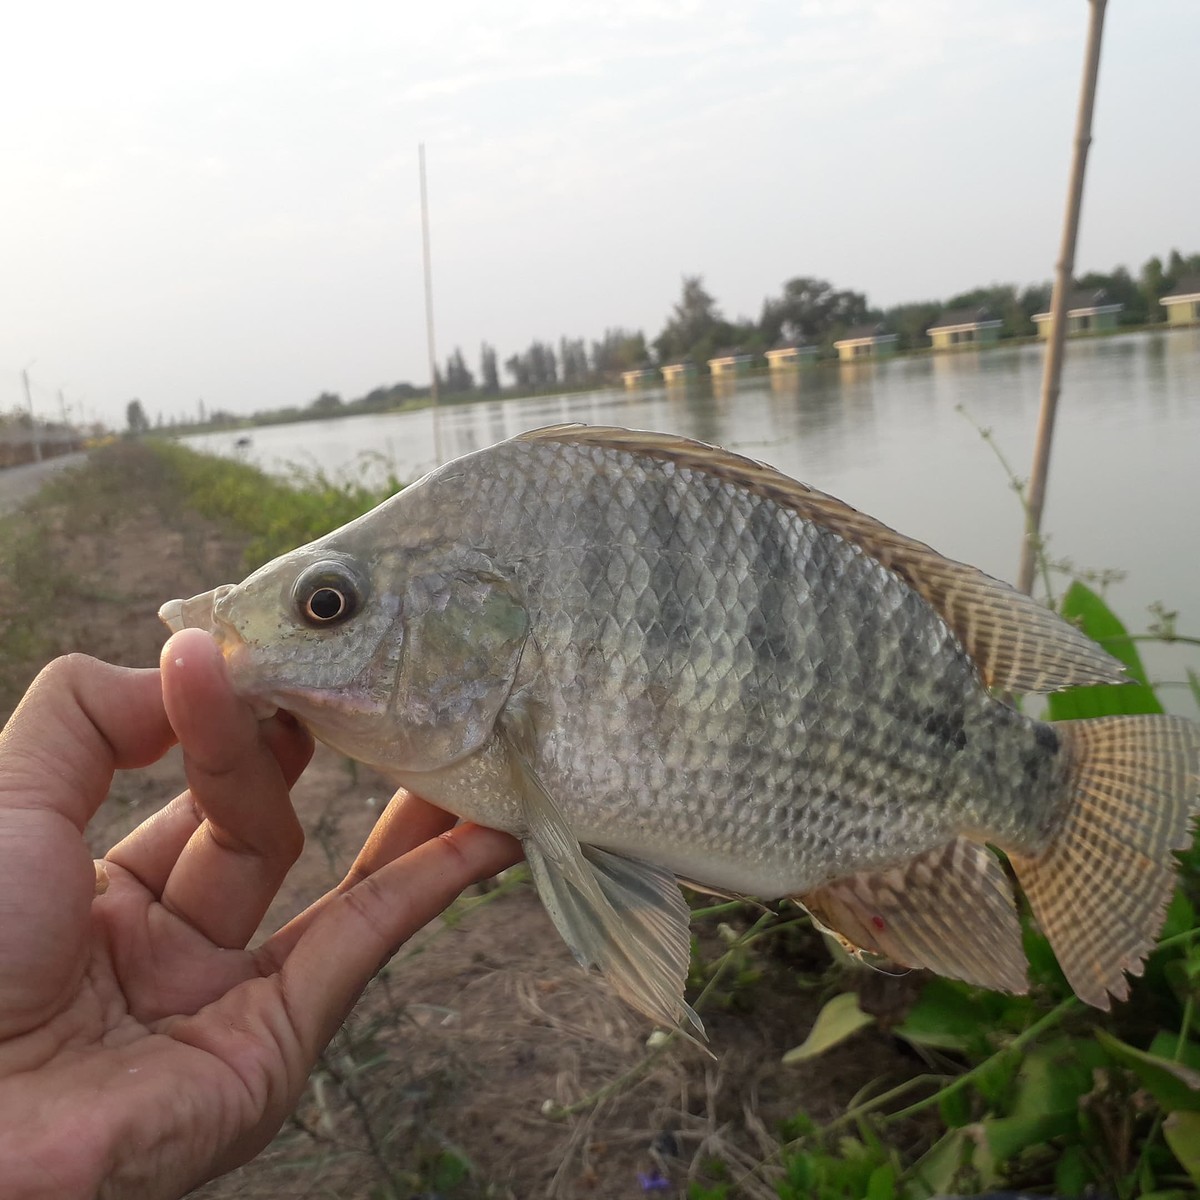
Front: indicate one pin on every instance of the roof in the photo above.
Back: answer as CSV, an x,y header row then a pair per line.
x,y
1188,288
678,362
965,318
1085,302
865,333
726,355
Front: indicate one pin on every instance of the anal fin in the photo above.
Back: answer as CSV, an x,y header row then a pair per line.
x,y
950,910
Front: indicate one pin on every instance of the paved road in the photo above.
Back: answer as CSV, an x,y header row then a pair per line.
x,y
18,483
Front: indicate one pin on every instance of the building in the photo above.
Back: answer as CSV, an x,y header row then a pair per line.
x,y
679,371
961,327
787,356
729,363
1182,302
1088,311
865,341
639,377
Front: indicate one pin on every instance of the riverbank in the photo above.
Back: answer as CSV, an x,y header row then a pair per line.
x,y
449,403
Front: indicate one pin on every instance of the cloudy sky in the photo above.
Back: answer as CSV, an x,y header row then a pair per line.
x,y
221,201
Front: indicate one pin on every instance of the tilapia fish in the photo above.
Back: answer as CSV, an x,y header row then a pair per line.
x,y
654,660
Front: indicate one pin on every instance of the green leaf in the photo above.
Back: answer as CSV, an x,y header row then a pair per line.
x,y
1194,684
1008,1136
1172,1084
1084,607
1072,1174
838,1020
952,1016
1182,1131
954,1108
1166,1045
1054,1076
882,1183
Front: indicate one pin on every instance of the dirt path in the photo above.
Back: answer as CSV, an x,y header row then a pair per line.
x,y
17,484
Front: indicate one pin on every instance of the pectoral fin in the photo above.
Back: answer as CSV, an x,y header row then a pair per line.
x,y
627,918
951,910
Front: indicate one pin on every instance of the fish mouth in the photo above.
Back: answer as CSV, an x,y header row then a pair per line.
x,y
198,612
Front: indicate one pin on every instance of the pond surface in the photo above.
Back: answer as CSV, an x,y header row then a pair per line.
x,y
901,440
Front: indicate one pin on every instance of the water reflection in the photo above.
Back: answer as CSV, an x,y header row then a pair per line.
x,y
888,438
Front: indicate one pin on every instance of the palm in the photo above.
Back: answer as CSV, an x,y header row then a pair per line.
x,y
137,1020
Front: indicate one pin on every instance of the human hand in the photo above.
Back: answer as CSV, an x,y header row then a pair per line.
x,y
143,1049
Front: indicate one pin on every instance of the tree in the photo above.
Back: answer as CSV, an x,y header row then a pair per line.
x,y
619,350
811,310
695,327
326,404
488,373
1152,282
573,361
135,418
458,377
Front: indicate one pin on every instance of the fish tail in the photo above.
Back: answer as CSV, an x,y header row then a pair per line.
x,y
1101,888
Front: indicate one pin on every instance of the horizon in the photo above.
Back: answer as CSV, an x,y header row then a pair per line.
x,y
229,211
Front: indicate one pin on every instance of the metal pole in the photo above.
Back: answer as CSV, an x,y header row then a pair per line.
x,y
33,428
1064,274
433,373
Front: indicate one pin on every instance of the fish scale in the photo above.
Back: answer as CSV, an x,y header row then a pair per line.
x,y
649,658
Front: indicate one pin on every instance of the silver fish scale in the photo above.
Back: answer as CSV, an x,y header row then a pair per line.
x,y
735,692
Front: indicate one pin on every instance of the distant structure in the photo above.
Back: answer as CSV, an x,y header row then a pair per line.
x,y
964,327
866,341
1088,311
788,356
729,363
679,371
639,377
1182,302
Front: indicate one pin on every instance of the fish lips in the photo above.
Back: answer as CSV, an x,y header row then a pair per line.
x,y
200,612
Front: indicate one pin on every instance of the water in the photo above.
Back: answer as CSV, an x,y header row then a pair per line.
x,y
889,438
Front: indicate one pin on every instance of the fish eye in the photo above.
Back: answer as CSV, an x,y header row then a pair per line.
x,y
327,594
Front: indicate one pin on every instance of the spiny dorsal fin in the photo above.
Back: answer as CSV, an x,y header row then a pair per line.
x,y
950,910
1016,643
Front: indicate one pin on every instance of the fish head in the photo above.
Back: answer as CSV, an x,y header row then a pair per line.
x,y
401,665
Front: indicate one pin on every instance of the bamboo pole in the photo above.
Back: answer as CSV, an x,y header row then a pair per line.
x,y
433,372
1064,274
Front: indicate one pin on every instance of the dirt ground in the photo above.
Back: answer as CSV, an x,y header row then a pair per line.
x,y
450,1077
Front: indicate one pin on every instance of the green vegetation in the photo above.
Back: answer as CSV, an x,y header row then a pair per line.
x,y
279,514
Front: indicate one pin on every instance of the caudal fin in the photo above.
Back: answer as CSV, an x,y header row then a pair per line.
x,y
1101,888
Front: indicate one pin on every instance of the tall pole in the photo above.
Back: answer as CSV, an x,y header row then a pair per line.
x,y
1064,274
33,429
433,373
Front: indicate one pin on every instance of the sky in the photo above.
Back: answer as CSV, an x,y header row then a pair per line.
x,y
220,203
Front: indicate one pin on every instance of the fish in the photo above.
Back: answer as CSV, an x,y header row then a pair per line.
x,y
653,660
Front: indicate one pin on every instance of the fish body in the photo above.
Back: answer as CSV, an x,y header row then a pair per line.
x,y
648,659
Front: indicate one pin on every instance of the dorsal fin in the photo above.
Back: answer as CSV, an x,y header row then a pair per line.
x,y
1016,643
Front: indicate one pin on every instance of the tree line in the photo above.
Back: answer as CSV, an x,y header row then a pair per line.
x,y
807,310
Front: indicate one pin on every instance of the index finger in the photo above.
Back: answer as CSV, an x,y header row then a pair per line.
x,y
80,721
